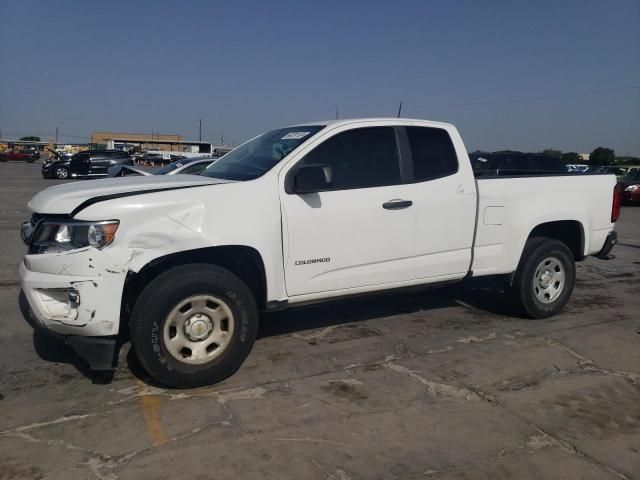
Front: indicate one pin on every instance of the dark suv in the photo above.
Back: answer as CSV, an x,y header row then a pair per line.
x,y
90,163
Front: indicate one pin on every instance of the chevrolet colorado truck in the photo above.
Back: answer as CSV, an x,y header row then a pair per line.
x,y
313,212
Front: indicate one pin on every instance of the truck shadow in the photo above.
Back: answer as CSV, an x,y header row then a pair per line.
x,y
485,303
54,349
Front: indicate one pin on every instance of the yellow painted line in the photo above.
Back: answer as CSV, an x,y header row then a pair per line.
x,y
150,406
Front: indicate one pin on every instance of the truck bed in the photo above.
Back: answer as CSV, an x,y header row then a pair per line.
x,y
510,207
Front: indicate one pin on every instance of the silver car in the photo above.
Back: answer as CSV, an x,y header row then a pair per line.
x,y
189,166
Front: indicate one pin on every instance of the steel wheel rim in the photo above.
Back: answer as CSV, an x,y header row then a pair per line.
x,y
549,280
198,329
61,173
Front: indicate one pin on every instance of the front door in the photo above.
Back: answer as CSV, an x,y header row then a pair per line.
x,y
79,164
360,232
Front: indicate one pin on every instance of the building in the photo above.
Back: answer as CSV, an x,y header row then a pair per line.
x,y
145,141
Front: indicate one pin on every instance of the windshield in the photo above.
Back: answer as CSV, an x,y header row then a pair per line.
x,y
632,176
172,166
256,157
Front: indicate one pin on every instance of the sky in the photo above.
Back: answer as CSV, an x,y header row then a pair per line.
x,y
513,74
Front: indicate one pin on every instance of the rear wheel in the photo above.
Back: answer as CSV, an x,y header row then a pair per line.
x,y
545,278
194,325
61,173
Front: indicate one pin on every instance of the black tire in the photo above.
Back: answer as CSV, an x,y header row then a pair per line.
x,y
57,173
525,288
163,295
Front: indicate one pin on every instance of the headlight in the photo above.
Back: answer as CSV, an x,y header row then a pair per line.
x,y
632,188
56,236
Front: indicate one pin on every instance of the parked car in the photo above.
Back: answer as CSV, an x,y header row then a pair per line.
x,y
89,163
189,166
515,163
159,158
630,186
297,215
29,155
578,168
612,169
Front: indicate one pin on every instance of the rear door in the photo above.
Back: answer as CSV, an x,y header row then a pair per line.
x,y
444,198
100,163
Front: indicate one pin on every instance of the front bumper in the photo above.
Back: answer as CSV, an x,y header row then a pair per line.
x,y
76,296
47,170
74,293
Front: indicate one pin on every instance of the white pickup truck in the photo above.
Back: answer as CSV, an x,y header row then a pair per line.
x,y
307,213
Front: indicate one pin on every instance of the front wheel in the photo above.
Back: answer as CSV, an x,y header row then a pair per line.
x,y
545,278
194,325
61,173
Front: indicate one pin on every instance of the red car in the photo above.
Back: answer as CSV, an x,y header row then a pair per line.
x,y
630,187
29,155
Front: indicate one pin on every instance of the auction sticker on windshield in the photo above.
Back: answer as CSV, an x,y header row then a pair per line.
x,y
295,135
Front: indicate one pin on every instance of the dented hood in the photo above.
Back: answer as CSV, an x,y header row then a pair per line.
x,y
66,198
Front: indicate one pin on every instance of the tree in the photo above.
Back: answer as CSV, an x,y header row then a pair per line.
x,y
550,152
602,156
628,160
30,138
571,158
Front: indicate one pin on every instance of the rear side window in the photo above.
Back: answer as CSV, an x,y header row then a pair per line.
x,y
432,152
362,158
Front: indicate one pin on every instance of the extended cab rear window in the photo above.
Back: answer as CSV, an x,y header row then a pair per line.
x,y
432,152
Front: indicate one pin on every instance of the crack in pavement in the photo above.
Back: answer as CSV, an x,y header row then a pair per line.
x,y
63,419
434,388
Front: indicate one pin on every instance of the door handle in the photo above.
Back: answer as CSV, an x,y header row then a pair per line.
x,y
397,204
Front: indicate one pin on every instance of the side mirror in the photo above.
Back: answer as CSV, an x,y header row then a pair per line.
x,y
313,178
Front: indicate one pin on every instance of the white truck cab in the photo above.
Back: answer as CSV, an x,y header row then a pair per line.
x,y
305,213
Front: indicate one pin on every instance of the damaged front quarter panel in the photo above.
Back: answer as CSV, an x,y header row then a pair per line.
x,y
164,233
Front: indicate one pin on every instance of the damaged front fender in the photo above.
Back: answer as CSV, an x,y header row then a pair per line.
x,y
148,232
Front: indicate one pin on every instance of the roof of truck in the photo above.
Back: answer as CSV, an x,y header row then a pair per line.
x,y
396,120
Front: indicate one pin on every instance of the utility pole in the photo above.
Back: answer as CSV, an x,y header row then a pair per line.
x,y
337,111
400,109
56,135
200,131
